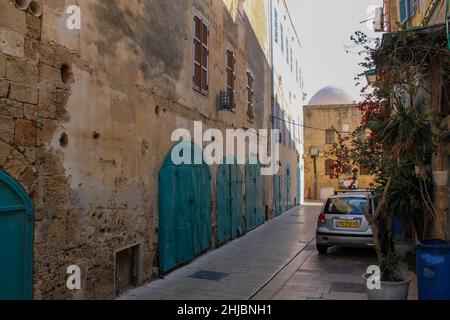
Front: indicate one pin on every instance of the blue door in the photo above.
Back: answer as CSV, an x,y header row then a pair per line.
x,y
16,240
184,211
253,197
230,222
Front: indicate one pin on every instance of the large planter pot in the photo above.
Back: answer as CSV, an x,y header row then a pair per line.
x,y
389,290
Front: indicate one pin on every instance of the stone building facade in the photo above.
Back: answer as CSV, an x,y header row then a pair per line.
x,y
429,20
86,118
328,111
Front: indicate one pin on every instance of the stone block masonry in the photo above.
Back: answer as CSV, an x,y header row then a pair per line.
x,y
86,119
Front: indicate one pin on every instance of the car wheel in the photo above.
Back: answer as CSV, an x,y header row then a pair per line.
x,y
322,249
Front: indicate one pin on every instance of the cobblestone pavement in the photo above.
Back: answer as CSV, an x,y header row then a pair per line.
x,y
275,261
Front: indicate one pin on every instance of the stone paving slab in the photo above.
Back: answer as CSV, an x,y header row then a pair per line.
x,y
276,261
250,263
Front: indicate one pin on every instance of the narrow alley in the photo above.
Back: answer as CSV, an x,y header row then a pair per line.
x,y
276,261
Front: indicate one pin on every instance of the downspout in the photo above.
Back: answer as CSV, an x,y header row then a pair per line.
x,y
271,61
272,95
387,9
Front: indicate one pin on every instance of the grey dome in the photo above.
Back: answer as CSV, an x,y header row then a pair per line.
x,y
330,96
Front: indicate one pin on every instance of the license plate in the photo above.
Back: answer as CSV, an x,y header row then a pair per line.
x,y
347,224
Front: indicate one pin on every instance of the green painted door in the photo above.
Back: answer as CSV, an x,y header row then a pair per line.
x,y
230,224
277,190
253,197
16,240
288,189
184,214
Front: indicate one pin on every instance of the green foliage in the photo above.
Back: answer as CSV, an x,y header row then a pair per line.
x,y
401,141
390,267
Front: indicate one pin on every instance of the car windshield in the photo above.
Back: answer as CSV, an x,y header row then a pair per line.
x,y
350,205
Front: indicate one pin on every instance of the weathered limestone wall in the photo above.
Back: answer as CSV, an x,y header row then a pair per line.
x,y
89,150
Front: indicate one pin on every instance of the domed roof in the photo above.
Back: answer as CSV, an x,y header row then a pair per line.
x,y
330,96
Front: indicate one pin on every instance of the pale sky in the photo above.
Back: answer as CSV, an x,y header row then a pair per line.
x,y
324,28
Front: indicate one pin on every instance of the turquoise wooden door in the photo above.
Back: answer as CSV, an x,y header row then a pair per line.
x,y
184,212
230,223
277,191
288,189
253,197
16,240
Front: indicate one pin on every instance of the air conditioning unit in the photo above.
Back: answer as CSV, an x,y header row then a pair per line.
x,y
378,24
225,101
315,152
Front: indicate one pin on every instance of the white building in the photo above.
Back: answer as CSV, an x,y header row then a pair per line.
x,y
287,108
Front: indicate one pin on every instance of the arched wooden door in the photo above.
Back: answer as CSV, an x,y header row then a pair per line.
x,y
184,211
254,212
16,240
230,221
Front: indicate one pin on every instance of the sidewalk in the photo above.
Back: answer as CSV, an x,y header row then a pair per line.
x,y
277,261
238,270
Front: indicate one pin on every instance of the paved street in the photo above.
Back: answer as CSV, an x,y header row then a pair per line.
x,y
276,261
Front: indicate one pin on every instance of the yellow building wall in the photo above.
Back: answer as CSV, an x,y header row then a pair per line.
x,y
322,118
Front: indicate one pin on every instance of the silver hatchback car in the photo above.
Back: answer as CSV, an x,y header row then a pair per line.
x,y
342,221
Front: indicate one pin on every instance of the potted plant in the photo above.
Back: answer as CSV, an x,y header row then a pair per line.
x,y
395,285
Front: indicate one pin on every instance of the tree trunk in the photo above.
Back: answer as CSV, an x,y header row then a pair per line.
x,y
375,220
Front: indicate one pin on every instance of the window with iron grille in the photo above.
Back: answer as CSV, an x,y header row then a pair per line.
x,y
231,76
201,53
250,96
329,136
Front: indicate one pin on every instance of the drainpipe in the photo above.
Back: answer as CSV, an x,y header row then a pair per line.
x,y
272,99
387,14
271,60
315,178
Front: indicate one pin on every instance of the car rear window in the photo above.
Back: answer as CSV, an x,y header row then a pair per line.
x,y
350,205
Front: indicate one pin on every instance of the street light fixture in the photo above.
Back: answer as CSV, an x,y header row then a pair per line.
x,y
371,77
